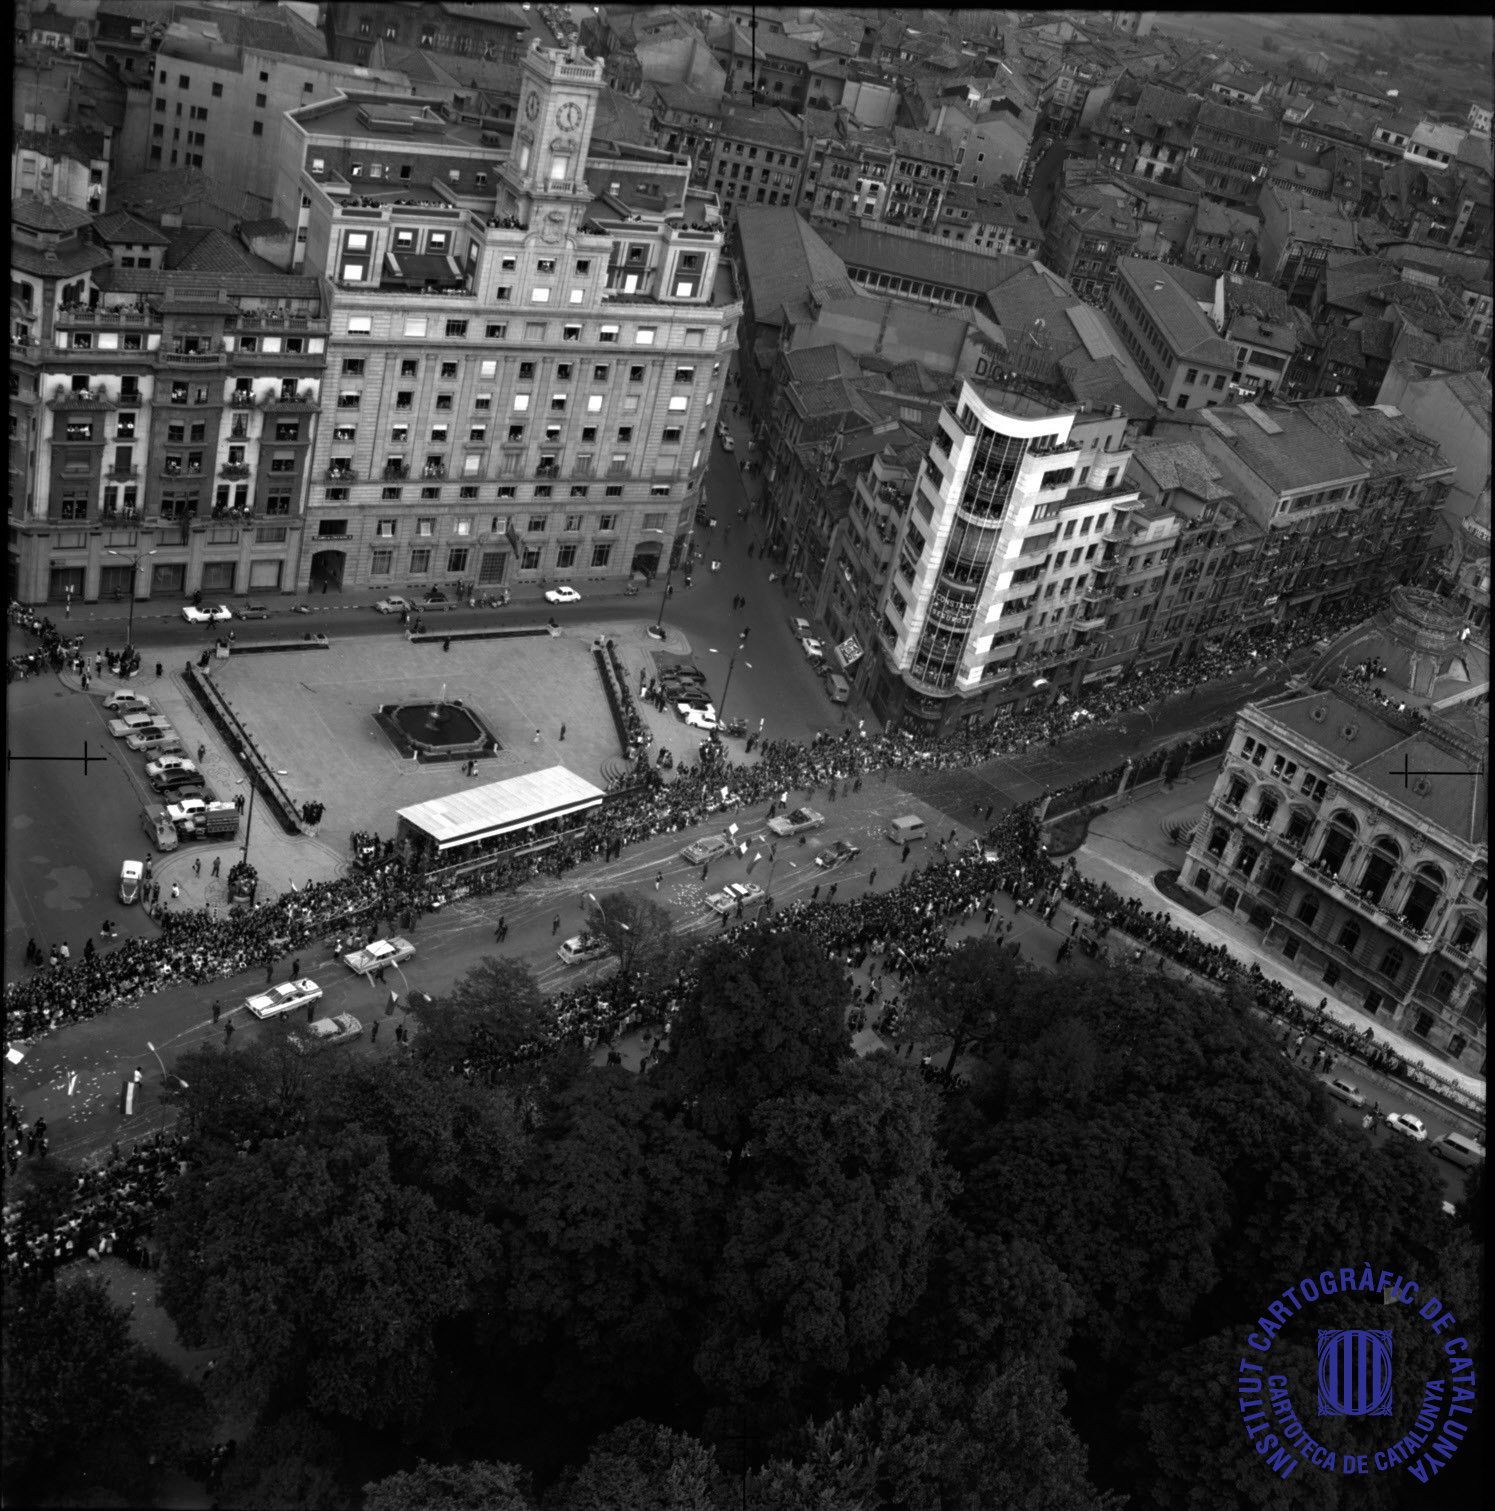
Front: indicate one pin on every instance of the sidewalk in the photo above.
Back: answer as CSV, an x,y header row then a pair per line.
x,y
282,860
1128,846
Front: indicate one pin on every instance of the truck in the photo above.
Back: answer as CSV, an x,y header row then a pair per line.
x,y
194,818
159,828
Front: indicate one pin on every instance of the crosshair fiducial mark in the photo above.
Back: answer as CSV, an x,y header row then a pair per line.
x,y
83,759
1406,772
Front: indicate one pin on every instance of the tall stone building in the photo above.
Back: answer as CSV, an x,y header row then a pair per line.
x,y
526,357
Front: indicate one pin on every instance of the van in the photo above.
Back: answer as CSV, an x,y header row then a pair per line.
x,y
1458,1149
906,829
159,829
838,687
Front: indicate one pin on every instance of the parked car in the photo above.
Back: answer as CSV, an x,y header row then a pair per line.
x,y
563,594
254,611
801,628
734,893
283,998
128,724
1406,1123
210,615
788,824
837,854
699,718
725,436
178,781
131,875
707,848
164,763
813,649
159,829
580,948
1344,1092
380,953
125,702
157,737
324,1033
394,605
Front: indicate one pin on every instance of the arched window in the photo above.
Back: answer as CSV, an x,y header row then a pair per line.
x,y
1427,888
1349,936
1266,808
1391,963
1380,867
1235,794
1299,822
1466,933
1444,985
1337,842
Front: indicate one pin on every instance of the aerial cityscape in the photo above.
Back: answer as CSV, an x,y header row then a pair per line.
x,y
747,758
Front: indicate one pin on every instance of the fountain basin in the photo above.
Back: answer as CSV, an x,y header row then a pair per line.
x,y
439,731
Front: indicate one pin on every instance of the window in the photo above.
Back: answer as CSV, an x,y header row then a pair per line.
x,y
1391,963
671,436
1308,910
645,334
530,559
536,525
477,433
565,556
456,329
516,433
539,296
218,91
659,490
495,333
258,130
385,529
685,375
391,495
602,554
415,325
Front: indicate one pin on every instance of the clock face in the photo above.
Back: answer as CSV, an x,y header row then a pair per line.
x,y
532,106
568,117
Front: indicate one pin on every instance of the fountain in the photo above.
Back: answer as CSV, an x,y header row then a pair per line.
x,y
439,731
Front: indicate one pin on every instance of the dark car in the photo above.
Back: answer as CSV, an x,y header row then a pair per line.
x,y
177,781
253,611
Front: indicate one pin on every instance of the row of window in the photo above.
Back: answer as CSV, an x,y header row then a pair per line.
x,y
354,367
381,560
421,326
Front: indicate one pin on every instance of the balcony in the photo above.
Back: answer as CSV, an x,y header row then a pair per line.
x,y
951,613
433,471
617,469
167,469
548,470
234,469
303,400
174,357
80,398
1091,622
341,475
963,571
121,474
394,472
1313,870
241,398
930,679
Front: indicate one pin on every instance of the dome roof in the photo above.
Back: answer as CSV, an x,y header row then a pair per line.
x,y
1417,650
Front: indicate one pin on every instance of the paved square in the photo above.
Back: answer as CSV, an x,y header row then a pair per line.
x,y
311,714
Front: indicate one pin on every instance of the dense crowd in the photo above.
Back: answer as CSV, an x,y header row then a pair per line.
x,y
200,946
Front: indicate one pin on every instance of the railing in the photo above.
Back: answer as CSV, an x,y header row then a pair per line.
x,y
933,681
79,398
617,469
234,469
341,475
433,471
241,398
287,401
191,470
104,315
172,358
394,473
122,474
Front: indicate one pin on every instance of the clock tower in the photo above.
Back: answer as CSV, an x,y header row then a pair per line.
x,y
546,172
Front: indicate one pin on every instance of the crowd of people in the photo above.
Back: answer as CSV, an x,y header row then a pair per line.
x,y
385,883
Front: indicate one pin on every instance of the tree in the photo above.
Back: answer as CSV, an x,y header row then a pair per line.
x,y
642,935
293,1462
258,1092
829,1240
643,1464
475,1486
958,999
485,1020
316,1274
85,1407
616,1224
763,1019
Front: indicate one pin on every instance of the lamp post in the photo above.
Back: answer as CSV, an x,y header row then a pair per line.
x,y
726,687
134,561
249,817
166,1075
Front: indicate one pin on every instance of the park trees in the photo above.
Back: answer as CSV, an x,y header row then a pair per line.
x,y
642,935
484,1021
959,1000
479,1485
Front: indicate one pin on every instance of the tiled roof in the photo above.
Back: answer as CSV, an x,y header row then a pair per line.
x,y
1211,218
272,228
38,214
816,364
1346,283
57,262
120,225
272,285
1176,312
161,192
1243,123
781,258
1298,455
80,143
930,262
1180,464
1257,298
1104,381
1273,335
1376,337
925,145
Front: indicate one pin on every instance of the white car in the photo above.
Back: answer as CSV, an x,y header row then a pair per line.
x,y
707,848
814,649
394,606
801,628
126,702
156,737
1344,1092
380,953
162,764
1405,1122
725,436
208,615
733,895
580,948
284,998
563,594
787,825
699,718
132,724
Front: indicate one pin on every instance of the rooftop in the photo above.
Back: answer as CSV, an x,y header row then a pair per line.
x,y
120,226
37,214
940,262
1282,447
1184,325
782,257
501,807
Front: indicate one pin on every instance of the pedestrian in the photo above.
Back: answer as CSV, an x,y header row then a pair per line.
x,y
658,879
176,890
374,1032
159,669
197,866
202,750
139,1076
311,1010
217,1010
705,869
905,852
446,645
217,864
1074,928
228,1032
393,1003
555,925
148,868
269,972
295,967
563,731
536,740
98,663
872,879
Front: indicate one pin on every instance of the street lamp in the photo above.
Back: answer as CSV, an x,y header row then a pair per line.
x,y
249,817
166,1075
134,561
726,687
